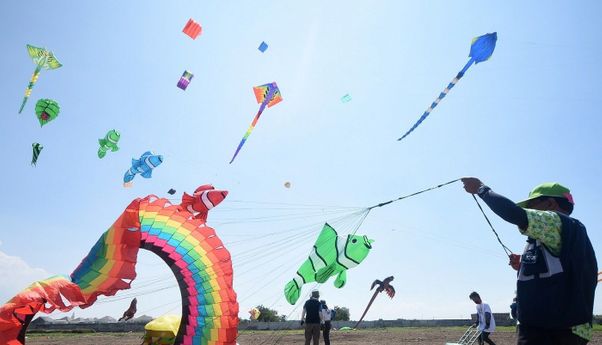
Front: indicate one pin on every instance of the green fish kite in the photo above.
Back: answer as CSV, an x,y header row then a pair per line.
x,y
331,255
43,59
109,142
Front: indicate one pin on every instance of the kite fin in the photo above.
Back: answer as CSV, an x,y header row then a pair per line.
x,y
341,279
291,292
147,174
327,236
101,152
325,273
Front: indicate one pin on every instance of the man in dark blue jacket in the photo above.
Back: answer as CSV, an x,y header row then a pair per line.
x,y
557,273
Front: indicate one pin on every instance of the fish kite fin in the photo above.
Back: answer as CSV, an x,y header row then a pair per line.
x,y
327,235
101,152
147,174
291,292
325,273
341,279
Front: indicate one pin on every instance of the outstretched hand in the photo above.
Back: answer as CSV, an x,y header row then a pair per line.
x,y
471,184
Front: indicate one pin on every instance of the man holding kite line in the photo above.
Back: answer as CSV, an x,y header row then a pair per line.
x,y
557,271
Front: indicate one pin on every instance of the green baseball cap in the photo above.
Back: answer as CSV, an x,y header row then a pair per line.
x,y
551,189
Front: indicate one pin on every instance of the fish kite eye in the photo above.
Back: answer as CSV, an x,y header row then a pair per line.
x,y
354,240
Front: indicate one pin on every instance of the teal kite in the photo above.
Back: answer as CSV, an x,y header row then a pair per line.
x,y
331,255
109,142
480,50
43,59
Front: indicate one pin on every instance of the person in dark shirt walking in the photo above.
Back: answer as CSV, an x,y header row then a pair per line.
x,y
557,273
312,317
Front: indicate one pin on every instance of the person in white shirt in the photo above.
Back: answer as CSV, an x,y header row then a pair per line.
x,y
485,321
326,317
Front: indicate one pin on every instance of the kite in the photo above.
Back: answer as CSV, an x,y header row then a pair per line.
x,y
202,200
43,59
287,184
37,148
109,142
47,110
268,95
192,29
200,262
382,286
171,191
263,47
254,313
143,166
480,50
346,98
185,80
331,255
130,312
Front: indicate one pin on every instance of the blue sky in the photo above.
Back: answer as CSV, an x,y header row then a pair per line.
x,y
526,116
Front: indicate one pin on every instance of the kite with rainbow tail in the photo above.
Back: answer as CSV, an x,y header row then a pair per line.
x,y
268,95
481,49
43,59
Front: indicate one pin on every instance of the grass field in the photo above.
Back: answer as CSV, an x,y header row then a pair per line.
x,y
379,336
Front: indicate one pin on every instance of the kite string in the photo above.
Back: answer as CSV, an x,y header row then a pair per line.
x,y
413,194
506,249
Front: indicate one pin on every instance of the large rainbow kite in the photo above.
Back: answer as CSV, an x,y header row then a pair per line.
x,y
268,95
197,257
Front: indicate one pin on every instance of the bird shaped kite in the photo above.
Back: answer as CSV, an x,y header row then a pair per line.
x,y
268,95
108,143
43,59
143,166
382,286
47,110
480,50
130,312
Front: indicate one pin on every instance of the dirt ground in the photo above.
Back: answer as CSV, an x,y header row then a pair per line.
x,y
423,336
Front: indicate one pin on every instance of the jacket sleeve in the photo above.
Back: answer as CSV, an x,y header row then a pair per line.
x,y
505,208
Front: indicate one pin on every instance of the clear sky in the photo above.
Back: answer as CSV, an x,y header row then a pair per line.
x,y
526,116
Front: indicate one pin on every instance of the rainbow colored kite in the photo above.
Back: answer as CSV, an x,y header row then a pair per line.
x,y
43,59
268,95
201,264
480,50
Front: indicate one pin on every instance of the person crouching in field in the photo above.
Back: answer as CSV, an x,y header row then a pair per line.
x,y
485,321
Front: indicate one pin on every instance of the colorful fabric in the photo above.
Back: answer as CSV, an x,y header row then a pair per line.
x,y
185,80
37,148
47,110
198,258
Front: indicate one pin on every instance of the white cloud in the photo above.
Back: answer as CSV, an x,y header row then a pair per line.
x,y
16,275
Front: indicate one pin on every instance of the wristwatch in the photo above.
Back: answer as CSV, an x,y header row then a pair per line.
x,y
482,190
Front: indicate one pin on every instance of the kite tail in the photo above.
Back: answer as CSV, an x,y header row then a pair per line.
x,y
34,79
367,307
102,152
438,100
244,138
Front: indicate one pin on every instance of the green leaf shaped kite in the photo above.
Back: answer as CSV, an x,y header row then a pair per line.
x,y
43,59
330,256
47,110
